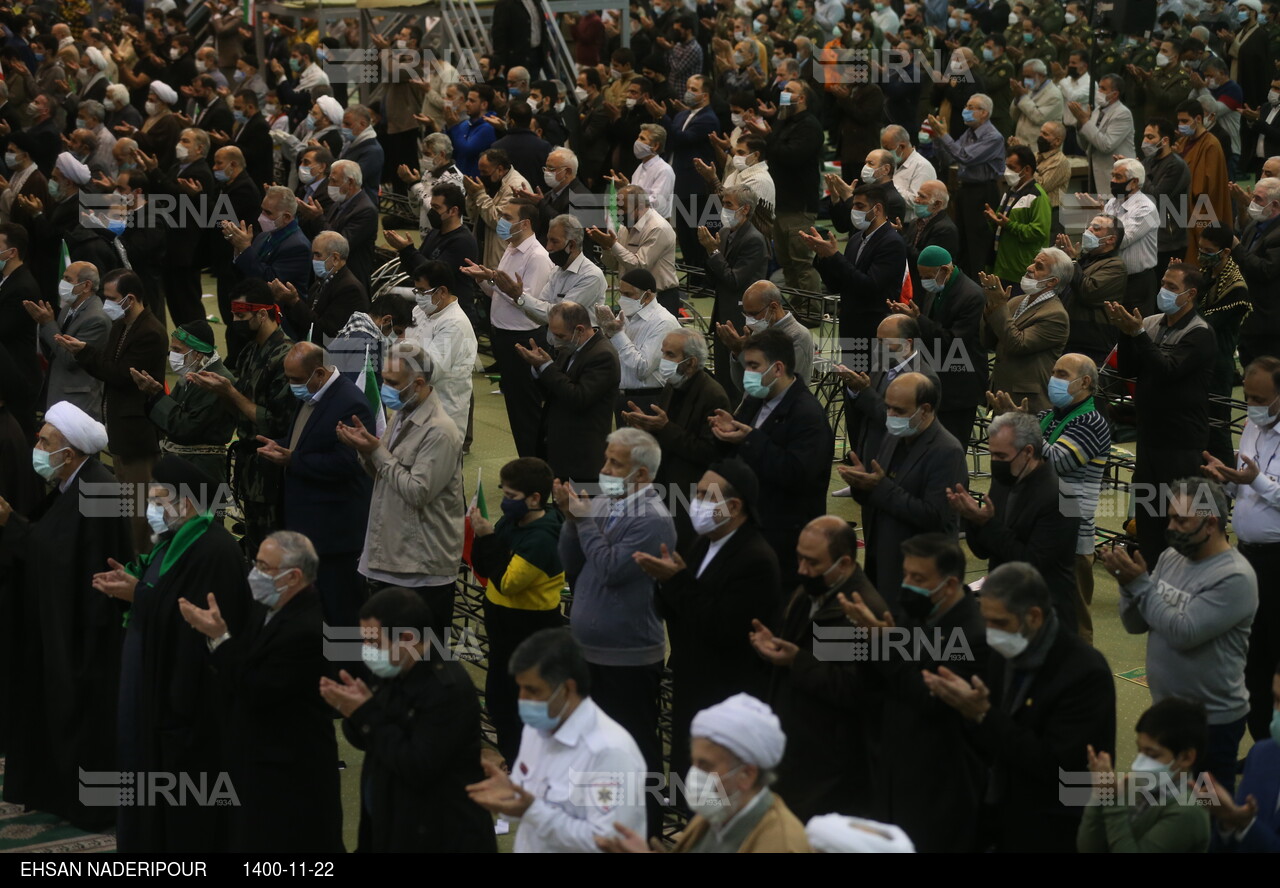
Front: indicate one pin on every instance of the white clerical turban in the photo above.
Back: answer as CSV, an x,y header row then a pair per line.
x,y
72,168
331,108
96,58
81,430
163,91
744,726
838,834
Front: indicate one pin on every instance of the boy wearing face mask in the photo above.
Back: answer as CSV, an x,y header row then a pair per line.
x,y
1156,806
1197,609
519,556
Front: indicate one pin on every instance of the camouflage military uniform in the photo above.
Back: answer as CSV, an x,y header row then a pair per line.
x,y
195,422
1164,90
996,75
260,378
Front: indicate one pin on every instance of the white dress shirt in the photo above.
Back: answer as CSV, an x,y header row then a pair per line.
x,y
639,345
756,177
529,261
1256,516
449,339
651,244
1141,228
1079,90
657,178
571,774
713,549
580,281
914,172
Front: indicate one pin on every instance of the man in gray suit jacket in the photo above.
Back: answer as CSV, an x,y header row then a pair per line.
x,y
82,317
736,259
903,490
1107,132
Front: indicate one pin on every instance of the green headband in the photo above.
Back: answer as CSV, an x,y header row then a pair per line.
x,y
188,339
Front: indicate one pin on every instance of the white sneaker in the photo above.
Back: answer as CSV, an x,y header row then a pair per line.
x,y
845,492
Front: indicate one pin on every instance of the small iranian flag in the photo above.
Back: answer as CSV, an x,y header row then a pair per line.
x,y
468,533
367,382
64,259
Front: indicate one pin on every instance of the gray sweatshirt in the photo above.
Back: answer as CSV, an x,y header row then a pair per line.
x,y
1198,615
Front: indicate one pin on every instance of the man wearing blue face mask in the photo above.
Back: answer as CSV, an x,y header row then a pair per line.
x,y
1032,714
567,737
333,296
1171,354
1036,100
613,615
326,492
1250,479
284,755
980,154
415,529
422,700
780,431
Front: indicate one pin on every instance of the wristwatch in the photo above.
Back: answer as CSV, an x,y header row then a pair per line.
x,y
520,300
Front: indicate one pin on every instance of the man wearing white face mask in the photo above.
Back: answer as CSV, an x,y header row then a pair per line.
x,y
281,729
1257,254
566,735
1023,218
1035,712
613,615
42,571
1255,516
194,424
679,422
445,333
637,334
80,314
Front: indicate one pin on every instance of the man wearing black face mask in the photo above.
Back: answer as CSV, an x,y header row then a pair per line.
x,y
929,780
1022,518
1197,607
814,691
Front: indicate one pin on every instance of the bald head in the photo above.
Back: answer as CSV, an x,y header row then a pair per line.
x,y
304,365
826,552
883,163
1080,374
1271,167
934,195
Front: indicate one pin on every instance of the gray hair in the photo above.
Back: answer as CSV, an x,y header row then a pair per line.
x,y
1017,585
693,344
297,552
1206,496
1025,428
635,193
89,273
118,92
1057,127
94,109
412,355
333,242
571,227
896,133
570,159
937,188
285,200
200,137
439,143
658,132
349,169
643,446
1060,266
1116,226
1270,188
1132,168
744,195
1036,65
984,101
362,113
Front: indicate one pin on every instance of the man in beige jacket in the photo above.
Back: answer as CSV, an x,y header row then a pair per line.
x,y
485,209
414,534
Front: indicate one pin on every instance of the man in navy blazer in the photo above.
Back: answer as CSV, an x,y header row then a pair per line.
x,y
1252,821
869,272
353,215
781,431
737,257
326,492
687,140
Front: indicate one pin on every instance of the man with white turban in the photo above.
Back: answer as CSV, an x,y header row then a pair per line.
x,y
736,745
838,834
60,639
